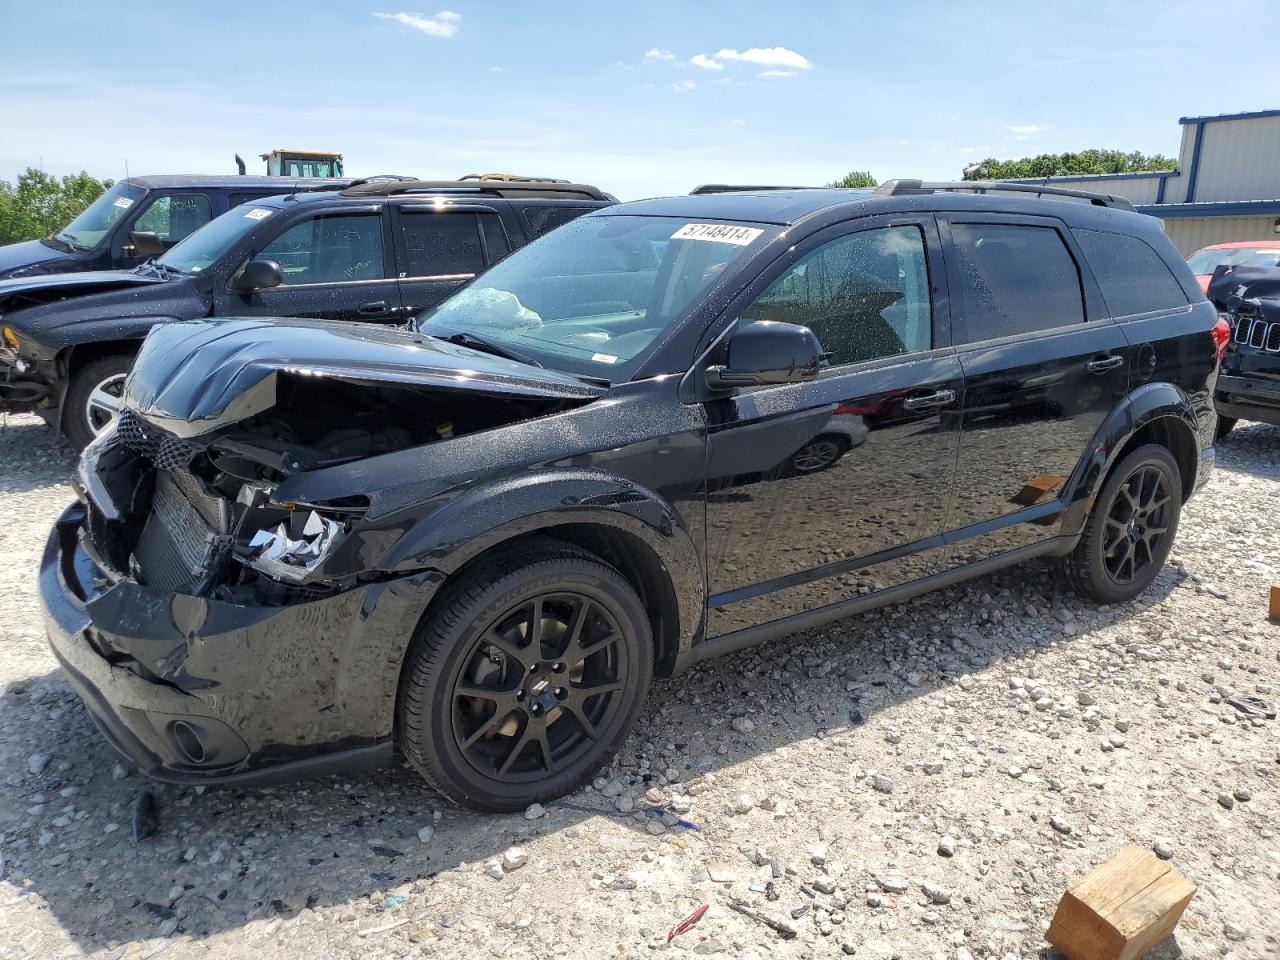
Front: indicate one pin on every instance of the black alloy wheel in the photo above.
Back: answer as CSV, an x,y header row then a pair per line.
x,y
1130,532
1137,524
818,454
525,678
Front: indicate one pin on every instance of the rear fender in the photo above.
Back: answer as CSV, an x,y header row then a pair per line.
x,y
1142,407
492,513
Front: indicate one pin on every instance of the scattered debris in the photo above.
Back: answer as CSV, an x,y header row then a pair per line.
x,y
1273,608
146,816
688,923
1253,707
1120,908
382,929
782,928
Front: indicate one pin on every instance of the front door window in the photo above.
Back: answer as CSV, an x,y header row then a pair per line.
x,y
343,248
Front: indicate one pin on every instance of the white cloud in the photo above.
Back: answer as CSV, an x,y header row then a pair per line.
x,y
497,69
653,53
1026,129
442,25
767,57
777,73
705,62
683,85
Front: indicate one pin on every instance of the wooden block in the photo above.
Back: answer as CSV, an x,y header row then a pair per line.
x,y
1036,489
1273,610
1120,909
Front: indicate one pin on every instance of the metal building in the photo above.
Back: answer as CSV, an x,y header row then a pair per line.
x,y
1226,186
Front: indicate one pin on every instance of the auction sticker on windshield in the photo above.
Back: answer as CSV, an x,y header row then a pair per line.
x,y
258,213
717,233
124,203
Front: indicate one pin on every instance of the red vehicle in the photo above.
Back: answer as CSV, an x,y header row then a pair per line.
x,y
1239,253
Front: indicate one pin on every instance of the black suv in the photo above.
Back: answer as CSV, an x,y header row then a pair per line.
x,y
379,250
1249,387
141,217
478,539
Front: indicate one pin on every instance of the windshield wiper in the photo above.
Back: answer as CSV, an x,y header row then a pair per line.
x,y
69,244
479,343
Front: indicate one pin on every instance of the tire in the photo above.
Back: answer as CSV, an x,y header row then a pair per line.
x,y
85,412
1129,509
496,725
1225,426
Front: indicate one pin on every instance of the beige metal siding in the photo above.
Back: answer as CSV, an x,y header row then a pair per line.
x,y
1239,160
1189,234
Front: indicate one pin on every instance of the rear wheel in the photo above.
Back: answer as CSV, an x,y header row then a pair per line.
x,y
818,454
526,678
1225,426
93,398
1131,530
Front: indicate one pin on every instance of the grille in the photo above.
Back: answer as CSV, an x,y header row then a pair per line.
x,y
164,451
176,539
1258,333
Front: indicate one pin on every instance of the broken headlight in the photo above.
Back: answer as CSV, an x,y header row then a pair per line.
x,y
294,548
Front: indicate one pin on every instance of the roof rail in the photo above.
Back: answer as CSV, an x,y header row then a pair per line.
x,y
510,178
549,189
737,188
906,188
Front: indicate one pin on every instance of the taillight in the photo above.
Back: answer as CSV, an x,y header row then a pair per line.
x,y
1221,335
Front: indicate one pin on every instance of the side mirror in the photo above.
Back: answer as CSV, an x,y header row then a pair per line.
x,y
258,275
764,352
145,243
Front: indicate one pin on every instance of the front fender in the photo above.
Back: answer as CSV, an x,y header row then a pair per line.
x,y
1142,407
488,514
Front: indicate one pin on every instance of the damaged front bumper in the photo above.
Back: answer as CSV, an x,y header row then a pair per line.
x,y
23,384
194,689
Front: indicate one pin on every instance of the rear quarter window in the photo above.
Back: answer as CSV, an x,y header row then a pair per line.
x,y
543,219
1133,277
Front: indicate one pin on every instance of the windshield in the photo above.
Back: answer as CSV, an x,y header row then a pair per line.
x,y
207,245
1206,261
88,230
592,296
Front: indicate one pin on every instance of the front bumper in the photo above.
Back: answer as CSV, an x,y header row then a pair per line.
x,y
196,690
1248,398
22,386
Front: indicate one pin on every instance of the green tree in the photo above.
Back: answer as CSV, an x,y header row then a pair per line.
x,y
855,178
1068,165
40,204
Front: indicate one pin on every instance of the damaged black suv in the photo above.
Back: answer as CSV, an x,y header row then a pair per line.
x,y
667,430
1249,386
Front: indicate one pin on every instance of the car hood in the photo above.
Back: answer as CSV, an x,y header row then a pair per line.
x,y
31,253
196,377
46,288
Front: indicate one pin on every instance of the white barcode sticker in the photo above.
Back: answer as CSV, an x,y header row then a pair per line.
x,y
718,233
124,203
604,358
258,213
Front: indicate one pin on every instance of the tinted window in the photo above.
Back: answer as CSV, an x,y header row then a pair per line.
x,y
496,245
334,249
1013,279
174,217
442,244
865,295
1133,277
542,219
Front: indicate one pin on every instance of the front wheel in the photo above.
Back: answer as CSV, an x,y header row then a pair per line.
x,y
1131,529
526,678
93,398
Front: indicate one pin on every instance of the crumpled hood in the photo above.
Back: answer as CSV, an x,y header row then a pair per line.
x,y
31,253
195,377
48,287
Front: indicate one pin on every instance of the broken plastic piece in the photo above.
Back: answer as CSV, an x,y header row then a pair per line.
x,y
1253,707
290,558
146,818
687,923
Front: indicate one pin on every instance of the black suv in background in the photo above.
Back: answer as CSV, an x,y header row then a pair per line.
x,y
1249,387
141,217
479,538
380,250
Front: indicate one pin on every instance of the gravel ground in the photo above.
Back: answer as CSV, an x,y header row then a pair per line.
x,y
918,782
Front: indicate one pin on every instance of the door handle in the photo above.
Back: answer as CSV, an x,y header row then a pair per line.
x,y
376,306
939,398
1103,364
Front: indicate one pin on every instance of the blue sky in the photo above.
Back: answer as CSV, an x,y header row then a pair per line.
x,y
641,98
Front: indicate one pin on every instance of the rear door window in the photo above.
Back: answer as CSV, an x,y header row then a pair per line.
x,y
341,248
174,216
1133,277
1013,279
451,244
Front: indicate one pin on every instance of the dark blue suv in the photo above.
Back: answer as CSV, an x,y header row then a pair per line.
x,y
138,218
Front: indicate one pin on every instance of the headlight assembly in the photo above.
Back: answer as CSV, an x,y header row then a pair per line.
x,y
295,547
